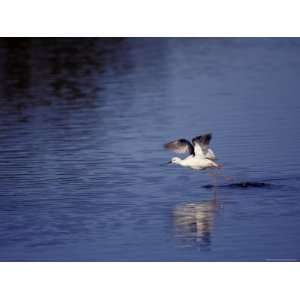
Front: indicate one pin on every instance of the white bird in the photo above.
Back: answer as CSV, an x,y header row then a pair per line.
x,y
201,156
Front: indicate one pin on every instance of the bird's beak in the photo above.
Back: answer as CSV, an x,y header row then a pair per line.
x,y
169,162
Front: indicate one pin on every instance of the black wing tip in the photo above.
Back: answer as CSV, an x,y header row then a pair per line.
x,y
203,139
180,143
167,145
170,144
207,135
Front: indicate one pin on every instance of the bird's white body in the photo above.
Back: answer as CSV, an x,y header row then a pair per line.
x,y
201,157
195,162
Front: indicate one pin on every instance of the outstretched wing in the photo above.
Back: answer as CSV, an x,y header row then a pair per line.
x,y
210,154
201,146
180,146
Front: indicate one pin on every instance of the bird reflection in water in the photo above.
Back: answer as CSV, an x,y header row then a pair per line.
x,y
194,222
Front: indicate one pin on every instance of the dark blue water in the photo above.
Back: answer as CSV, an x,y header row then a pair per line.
x,y
82,173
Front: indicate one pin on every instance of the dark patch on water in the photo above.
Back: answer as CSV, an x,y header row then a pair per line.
x,y
242,184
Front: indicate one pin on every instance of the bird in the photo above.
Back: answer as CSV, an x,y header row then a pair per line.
x,y
201,157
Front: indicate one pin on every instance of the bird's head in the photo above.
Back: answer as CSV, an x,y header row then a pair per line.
x,y
175,160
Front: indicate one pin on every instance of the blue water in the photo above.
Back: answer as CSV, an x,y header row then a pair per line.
x,y
82,167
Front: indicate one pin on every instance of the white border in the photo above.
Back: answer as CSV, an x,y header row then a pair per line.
x,y
149,281
149,18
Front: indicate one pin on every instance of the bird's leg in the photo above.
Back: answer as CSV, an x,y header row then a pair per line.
x,y
226,178
215,184
214,175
